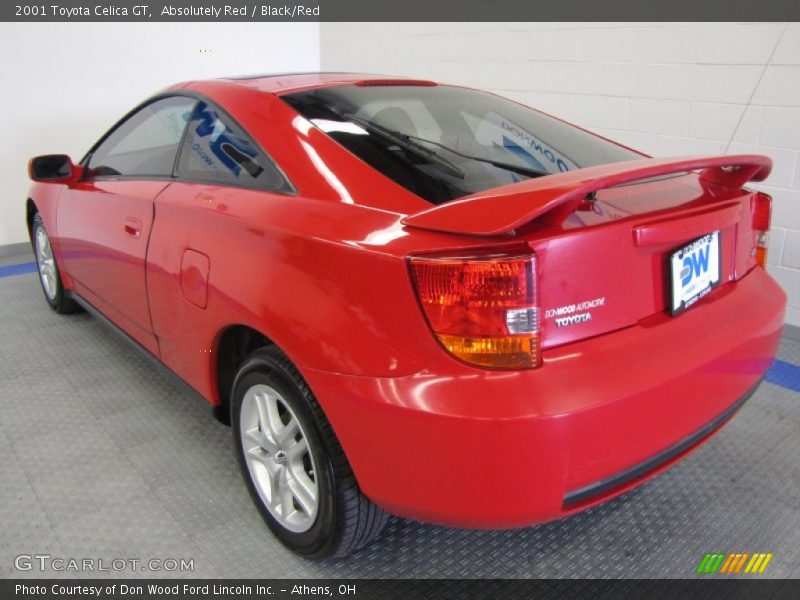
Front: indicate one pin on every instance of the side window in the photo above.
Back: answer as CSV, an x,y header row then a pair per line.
x,y
145,144
216,150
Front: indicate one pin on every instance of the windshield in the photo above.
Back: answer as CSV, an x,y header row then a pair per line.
x,y
443,142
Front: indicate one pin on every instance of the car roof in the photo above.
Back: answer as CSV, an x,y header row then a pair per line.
x,y
282,83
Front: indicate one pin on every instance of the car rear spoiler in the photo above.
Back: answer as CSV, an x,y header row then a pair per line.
x,y
553,198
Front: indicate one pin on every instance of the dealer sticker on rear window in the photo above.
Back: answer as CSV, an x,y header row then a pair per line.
x,y
695,271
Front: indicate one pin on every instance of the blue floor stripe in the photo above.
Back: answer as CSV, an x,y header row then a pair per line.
x,y
782,373
9,270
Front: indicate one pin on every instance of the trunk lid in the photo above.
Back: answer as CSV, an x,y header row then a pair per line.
x,y
604,264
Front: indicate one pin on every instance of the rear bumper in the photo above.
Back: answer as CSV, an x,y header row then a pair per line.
x,y
475,448
623,479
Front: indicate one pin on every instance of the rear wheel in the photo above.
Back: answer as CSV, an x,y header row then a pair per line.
x,y
49,275
295,468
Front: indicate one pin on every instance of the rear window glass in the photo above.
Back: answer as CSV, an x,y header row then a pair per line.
x,y
443,142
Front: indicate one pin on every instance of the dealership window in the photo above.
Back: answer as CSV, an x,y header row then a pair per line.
x,y
145,144
216,150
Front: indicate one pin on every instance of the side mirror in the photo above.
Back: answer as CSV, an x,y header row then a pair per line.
x,y
53,168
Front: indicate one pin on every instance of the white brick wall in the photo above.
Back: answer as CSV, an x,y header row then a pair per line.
x,y
666,89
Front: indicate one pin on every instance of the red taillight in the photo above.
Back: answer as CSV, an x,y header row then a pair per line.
x,y
483,310
762,214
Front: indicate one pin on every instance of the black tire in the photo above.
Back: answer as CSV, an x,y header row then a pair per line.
x,y
346,520
59,301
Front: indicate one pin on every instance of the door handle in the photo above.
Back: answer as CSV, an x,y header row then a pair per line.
x,y
133,227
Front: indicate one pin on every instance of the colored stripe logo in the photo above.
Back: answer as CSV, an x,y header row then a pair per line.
x,y
734,563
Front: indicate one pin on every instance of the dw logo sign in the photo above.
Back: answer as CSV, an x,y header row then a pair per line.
x,y
695,264
695,270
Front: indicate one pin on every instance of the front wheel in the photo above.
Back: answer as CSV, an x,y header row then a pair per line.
x,y
295,468
49,275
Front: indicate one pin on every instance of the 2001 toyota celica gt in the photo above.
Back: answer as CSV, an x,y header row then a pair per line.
x,y
415,298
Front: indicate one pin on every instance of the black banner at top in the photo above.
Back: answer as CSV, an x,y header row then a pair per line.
x,y
398,10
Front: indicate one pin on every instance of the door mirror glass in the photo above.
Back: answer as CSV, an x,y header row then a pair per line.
x,y
52,168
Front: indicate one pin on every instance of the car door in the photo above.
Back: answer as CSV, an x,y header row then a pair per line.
x,y
104,221
208,249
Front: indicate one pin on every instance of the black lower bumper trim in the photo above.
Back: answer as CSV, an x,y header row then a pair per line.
x,y
604,486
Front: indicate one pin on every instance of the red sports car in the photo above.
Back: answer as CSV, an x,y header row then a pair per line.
x,y
416,298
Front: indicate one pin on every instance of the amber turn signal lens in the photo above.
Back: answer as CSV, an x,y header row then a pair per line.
x,y
500,353
762,215
761,255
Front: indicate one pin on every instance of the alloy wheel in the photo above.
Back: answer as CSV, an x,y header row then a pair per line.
x,y
46,264
278,458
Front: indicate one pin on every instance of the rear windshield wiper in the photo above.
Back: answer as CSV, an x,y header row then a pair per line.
x,y
406,142
522,170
